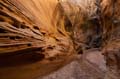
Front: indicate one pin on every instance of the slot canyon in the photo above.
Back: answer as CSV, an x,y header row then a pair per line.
x,y
59,39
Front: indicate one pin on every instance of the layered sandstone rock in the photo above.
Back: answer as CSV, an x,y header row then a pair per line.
x,y
32,42
111,37
40,36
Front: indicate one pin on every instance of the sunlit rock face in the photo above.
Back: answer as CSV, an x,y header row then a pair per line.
x,y
31,42
87,6
28,22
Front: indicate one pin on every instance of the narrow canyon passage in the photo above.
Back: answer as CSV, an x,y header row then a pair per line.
x,y
59,39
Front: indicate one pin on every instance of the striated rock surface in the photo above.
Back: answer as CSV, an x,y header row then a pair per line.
x,y
111,37
30,40
38,37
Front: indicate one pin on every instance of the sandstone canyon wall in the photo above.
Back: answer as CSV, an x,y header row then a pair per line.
x,y
40,36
